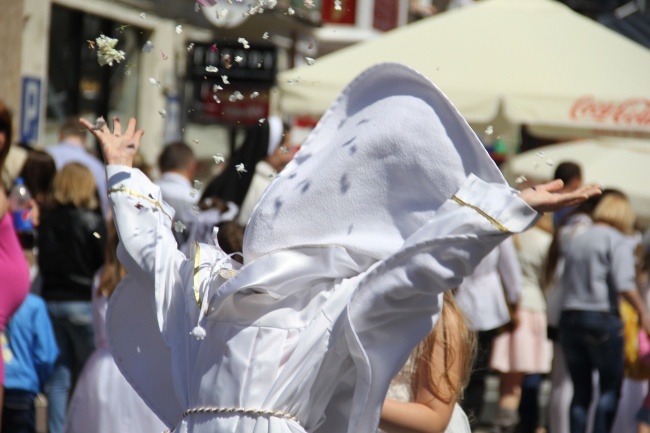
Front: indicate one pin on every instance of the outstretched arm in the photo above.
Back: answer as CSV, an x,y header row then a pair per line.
x,y
547,198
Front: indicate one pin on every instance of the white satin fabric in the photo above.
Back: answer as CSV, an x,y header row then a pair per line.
x,y
316,332
103,401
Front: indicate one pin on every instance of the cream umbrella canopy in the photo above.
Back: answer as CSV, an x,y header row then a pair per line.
x,y
612,162
535,62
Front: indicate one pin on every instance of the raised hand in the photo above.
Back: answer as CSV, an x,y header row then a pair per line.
x,y
117,148
546,198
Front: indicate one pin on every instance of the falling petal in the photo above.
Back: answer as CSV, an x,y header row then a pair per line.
x,y
310,61
225,79
163,113
164,56
179,226
550,162
179,29
265,35
240,168
284,150
197,184
489,130
193,192
337,5
255,95
195,141
218,158
99,124
309,4
148,47
244,42
238,59
195,209
190,47
212,69
143,16
262,120
214,48
290,11
520,179
97,235
154,82
539,154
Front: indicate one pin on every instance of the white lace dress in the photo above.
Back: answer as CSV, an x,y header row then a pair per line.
x,y
400,390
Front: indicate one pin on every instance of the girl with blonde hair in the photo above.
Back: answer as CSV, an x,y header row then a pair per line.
x,y
424,395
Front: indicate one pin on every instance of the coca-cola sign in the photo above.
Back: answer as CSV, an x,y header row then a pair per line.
x,y
631,112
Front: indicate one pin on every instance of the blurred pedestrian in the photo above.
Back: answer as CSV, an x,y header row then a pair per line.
x,y
71,249
14,270
279,154
570,174
233,182
489,298
525,352
30,351
599,267
38,174
72,147
178,170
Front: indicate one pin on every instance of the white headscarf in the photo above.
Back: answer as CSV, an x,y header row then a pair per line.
x,y
275,134
384,157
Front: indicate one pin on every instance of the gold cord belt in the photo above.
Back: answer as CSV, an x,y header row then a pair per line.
x,y
239,411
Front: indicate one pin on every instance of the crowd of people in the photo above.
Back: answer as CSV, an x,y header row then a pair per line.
x,y
348,284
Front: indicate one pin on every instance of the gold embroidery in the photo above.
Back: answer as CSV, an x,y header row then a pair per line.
x,y
137,194
197,283
494,222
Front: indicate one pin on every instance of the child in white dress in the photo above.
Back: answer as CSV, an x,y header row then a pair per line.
x,y
424,395
103,401
391,201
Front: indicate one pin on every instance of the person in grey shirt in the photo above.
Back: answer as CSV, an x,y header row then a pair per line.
x,y
599,268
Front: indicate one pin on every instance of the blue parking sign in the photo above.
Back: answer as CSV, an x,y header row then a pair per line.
x,y
30,109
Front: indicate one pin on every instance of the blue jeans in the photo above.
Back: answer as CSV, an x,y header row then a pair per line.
x,y
593,340
18,412
73,330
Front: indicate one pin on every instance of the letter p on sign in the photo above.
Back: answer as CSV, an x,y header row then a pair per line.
x,y
30,110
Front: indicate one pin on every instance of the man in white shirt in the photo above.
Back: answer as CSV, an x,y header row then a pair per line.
x,y
178,167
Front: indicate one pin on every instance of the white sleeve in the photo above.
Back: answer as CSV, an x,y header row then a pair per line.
x,y
147,247
396,303
510,271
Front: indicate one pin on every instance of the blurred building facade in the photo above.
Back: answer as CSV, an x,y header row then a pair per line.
x,y
171,79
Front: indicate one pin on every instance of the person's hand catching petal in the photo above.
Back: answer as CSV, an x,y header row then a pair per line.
x,y
117,148
546,198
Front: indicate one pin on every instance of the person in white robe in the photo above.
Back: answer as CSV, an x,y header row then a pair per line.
x,y
346,257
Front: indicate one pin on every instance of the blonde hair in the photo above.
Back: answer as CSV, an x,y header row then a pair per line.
x,y
458,346
75,185
113,271
615,210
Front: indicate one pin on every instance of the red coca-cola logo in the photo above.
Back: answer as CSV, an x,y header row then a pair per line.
x,y
633,111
